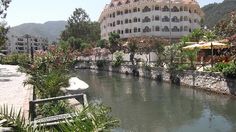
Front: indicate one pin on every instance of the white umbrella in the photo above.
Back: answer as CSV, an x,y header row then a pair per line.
x,y
1,54
77,84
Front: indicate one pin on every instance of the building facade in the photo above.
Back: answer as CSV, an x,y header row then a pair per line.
x,y
163,18
23,44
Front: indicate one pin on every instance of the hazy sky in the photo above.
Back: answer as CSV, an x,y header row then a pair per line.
x,y
40,11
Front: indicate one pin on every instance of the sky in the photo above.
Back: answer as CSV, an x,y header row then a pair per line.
x,y
40,11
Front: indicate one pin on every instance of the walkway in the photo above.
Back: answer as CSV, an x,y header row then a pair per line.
x,y
12,90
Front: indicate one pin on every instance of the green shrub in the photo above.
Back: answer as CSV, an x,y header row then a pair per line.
x,y
182,67
148,67
219,67
54,108
16,59
118,59
230,71
101,63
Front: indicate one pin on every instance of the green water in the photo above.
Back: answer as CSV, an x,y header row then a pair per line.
x,y
144,105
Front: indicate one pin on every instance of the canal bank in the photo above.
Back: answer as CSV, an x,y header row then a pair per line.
x,y
208,81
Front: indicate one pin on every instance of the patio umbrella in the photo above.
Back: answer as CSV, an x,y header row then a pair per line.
x,y
214,45
1,54
208,45
191,47
77,84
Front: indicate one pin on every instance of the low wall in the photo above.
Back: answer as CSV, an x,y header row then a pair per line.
x,y
214,82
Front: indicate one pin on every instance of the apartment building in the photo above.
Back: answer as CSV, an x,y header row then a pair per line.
x,y
163,18
23,44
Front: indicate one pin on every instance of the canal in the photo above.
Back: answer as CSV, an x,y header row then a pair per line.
x,y
144,105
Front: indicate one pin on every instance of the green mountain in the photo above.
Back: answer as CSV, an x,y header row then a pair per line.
x,y
50,30
216,12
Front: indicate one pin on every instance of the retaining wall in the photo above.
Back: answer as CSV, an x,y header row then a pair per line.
x,y
214,82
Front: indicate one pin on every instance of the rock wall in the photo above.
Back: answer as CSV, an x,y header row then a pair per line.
x,y
214,82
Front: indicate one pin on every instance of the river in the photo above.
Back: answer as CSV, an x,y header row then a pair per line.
x,y
144,105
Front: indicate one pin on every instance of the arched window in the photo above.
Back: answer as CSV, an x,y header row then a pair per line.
x,y
175,29
181,18
157,8
157,18
185,8
165,9
146,29
135,30
146,9
135,19
181,8
118,31
127,2
146,19
175,9
135,9
126,11
118,22
185,18
126,21
112,5
126,30
181,28
157,28
185,28
119,4
165,29
165,19
175,19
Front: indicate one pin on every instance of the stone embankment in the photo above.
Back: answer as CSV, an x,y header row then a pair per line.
x,y
213,82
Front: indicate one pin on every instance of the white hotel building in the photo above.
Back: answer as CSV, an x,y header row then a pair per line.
x,y
163,18
23,44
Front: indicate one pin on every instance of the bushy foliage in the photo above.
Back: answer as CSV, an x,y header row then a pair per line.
x,y
219,67
103,43
191,55
94,118
230,70
101,63
182,67
54,108
15,120
16,59
80,26
118,59
49,73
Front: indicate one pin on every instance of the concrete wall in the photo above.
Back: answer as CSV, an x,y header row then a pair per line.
x,y
214,82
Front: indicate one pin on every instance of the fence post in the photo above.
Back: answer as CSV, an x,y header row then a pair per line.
x,y
32,113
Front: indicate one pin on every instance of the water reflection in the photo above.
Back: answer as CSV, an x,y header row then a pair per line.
x,y
144,105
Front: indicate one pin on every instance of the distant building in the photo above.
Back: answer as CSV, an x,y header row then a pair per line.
x,y
23,44
163,18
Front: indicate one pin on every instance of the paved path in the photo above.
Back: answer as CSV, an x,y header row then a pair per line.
x,y
12,90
